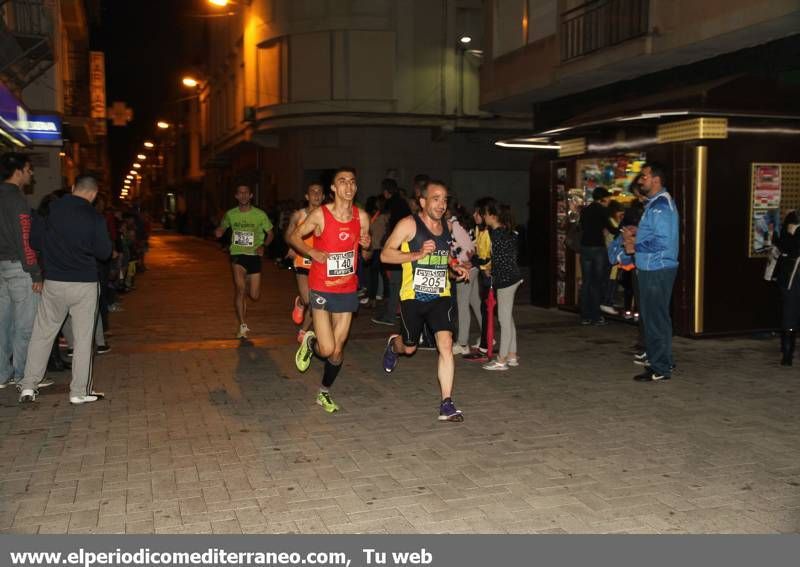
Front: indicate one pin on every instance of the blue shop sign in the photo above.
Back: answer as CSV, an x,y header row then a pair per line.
x,y
12,112
42,129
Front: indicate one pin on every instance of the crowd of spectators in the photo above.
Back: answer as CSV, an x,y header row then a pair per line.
x,y
48,253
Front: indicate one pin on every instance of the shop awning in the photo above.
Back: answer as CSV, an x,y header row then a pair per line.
x,y
740,97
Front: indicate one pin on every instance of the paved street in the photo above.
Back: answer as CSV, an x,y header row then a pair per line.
x,y
200,434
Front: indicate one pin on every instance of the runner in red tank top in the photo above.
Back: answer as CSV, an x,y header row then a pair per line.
x,y
339,229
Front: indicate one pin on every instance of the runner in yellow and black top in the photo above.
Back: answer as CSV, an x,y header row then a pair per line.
x,y
421,243
251,232
301,315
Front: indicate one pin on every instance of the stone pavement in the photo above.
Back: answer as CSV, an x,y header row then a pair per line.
x,y
200,434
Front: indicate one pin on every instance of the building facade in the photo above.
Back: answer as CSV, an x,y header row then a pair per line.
x,y
296,88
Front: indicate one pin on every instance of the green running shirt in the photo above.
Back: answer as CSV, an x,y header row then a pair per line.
x,y
248,229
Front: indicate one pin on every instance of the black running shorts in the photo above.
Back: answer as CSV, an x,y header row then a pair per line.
x,y
251,263
438,314
333,302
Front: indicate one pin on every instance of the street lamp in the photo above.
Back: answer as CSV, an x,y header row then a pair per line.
x,y
163,125
141,157
137,165
221,3
465,39
149,145
132,172
190,82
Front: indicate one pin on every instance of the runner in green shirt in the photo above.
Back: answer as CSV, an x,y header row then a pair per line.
x,y
251,232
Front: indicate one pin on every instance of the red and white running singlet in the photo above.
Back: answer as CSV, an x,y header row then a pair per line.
x,y
340,241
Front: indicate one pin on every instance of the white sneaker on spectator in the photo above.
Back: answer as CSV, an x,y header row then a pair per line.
x,y
495,365
461,349
77,400
26,396
609,309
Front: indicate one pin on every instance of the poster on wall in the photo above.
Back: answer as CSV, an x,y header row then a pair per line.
x,y
768,187
765,207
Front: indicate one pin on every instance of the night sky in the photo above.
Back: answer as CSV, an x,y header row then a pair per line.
x,y
144,63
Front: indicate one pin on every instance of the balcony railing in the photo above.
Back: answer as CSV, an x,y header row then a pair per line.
x,y
30,18
26,30
601,23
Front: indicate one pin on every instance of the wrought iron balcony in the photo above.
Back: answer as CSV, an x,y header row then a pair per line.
x,y
26,40
598,24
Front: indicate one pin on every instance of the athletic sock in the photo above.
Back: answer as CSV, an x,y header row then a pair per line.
x,y
330,373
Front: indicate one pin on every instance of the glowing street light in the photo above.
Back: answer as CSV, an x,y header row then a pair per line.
x,y
129,176
149,145
221,3
163,125
132,172
465,39
141,157
190,82
137,165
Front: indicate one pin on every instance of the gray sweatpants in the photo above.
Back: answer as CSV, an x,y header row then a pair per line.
x,y
59,299
467,296
508,330
99,334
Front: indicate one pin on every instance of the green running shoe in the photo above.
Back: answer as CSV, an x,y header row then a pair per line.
x,y
324,400
304,353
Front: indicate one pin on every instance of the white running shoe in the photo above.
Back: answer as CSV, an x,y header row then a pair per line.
x,y
77,400
512,362
243,330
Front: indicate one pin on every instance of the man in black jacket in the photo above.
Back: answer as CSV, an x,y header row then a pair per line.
x,y
71,240
594,258
20,277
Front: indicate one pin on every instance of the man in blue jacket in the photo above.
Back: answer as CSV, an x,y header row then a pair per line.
x,y
71,239
653,247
